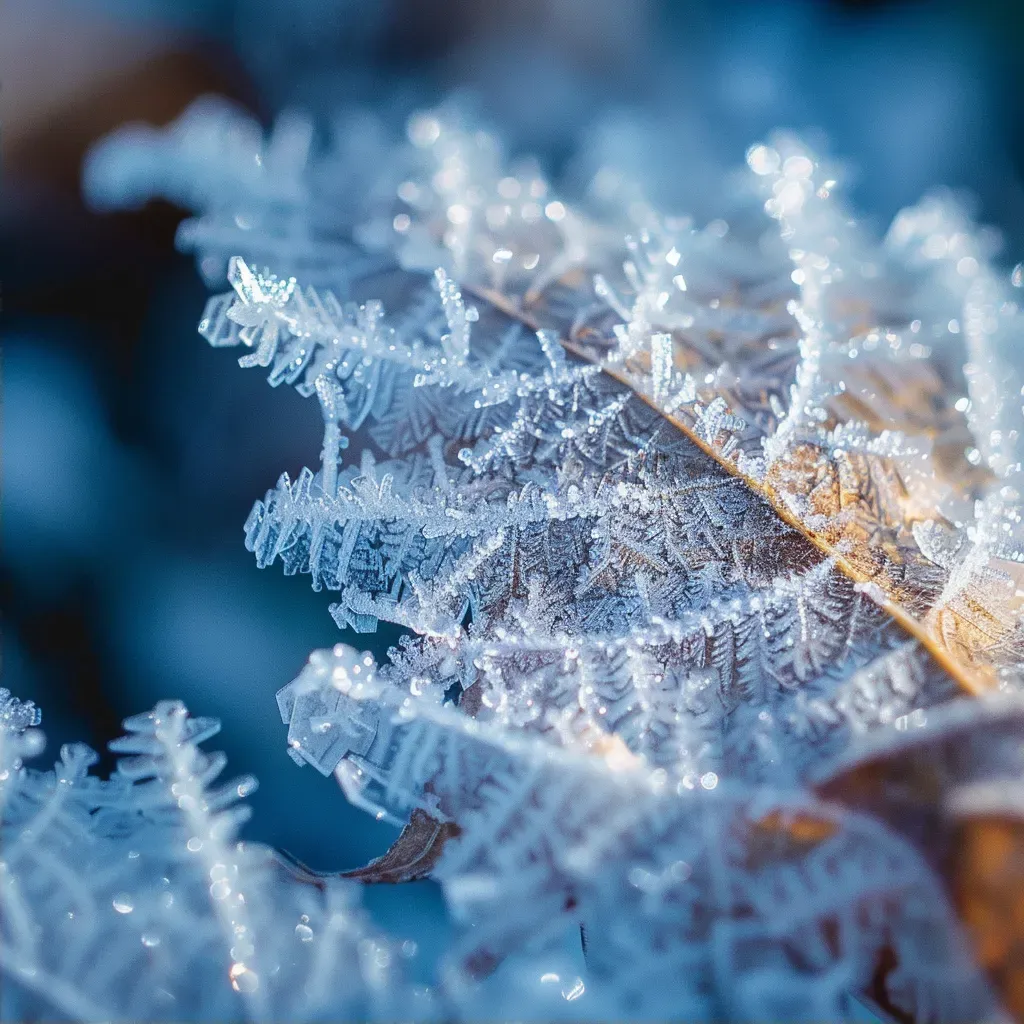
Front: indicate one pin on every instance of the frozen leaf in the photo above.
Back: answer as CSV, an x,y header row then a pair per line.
x,y
708,539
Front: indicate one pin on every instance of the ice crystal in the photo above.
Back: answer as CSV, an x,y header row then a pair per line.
x,y
133,899
707,539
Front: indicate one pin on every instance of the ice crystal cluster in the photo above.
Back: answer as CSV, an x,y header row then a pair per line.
x,y
707,540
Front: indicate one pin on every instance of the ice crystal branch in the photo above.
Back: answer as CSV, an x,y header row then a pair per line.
x,y
132,898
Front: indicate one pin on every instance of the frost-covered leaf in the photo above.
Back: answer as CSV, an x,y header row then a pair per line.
x,y
692,527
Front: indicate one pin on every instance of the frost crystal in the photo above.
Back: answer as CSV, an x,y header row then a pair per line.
x,y
133,899
705,543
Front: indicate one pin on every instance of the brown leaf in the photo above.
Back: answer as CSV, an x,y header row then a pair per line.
x,y
987,879
413,854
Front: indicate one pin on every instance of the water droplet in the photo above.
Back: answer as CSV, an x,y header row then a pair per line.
x,y
1017,276
304,933
763,159
639,877
247,785
680,871
424,130
798,166
242,979
123,903
573,991
220,890
150,941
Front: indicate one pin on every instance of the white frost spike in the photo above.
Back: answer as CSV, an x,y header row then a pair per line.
x,y
661,365
814,229
459,317
603,290
805,393
263,296
685,395
335,411
803,218
551,346
716,420
165,744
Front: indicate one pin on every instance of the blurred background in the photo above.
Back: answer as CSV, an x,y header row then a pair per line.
x,y
132,452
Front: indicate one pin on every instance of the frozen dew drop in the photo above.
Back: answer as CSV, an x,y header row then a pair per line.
x,y
1017,276
304,933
